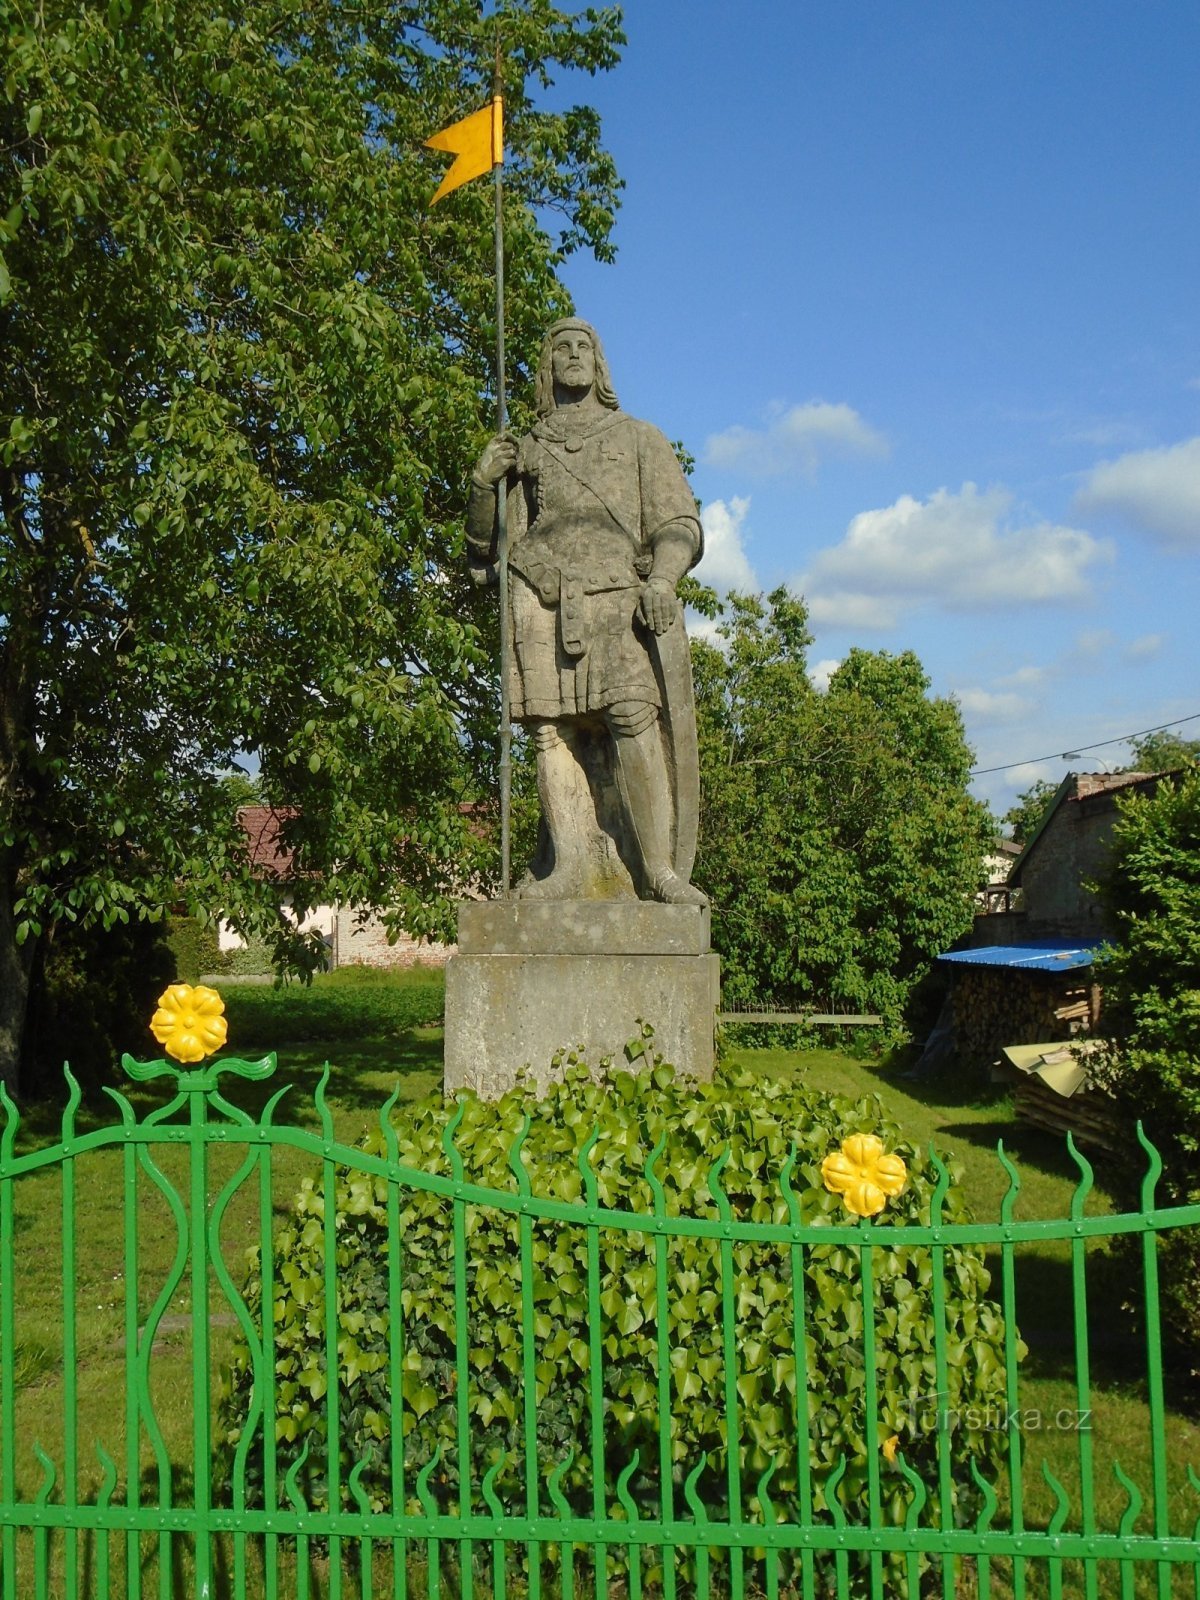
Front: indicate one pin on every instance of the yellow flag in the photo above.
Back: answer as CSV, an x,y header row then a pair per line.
x,y
477,143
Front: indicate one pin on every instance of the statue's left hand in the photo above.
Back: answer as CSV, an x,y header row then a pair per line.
x,y
658,605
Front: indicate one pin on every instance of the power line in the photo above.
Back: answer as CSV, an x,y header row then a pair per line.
x,y
979,772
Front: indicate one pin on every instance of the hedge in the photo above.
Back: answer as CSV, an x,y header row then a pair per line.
x,y
758,1121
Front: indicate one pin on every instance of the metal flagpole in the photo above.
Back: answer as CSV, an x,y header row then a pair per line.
x,y
502,529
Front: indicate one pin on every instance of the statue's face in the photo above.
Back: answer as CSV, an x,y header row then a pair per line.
x,y
573,361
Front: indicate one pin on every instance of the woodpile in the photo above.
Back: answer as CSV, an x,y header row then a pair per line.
x,y
1087,1114
998,1006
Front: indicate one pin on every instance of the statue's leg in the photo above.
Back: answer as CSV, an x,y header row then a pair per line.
x,y
645,796
559,778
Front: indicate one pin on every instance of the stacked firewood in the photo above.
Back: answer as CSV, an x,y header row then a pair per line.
x,y
1088,1114
998,1006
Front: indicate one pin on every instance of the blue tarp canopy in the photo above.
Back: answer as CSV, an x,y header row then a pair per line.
x,y
1044,955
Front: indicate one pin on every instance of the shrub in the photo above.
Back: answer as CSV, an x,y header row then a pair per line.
x,y
1151,977
759,1122
91,992
195,946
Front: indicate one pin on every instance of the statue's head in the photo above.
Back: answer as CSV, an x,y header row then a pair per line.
x,y
602,387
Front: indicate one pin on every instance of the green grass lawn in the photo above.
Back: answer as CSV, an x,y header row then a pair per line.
x,y
382,1032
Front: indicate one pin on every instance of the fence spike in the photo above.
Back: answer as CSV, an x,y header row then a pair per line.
x,y
1063,1505
584,1162
720,1198
689,1489
920,1494
514,1158
1134,1501
1086,1178
990,1500
830,1492
790,1198
941,1187
109,1481
764,1498
554,1484
623,1494
1154,1166
428,1504
489,1484
74,1096
12,1121
291,1482
128,1115
269,1109
448,1144
49,1475
1014,1184
356,1488
651,1174
323,1110
391,1143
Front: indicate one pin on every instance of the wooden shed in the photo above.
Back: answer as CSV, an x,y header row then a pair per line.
x,y
1028,993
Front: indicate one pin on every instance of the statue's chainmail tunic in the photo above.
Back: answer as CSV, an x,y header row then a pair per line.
x,y
590,497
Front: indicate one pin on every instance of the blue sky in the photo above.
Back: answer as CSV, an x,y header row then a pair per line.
x,y
919,287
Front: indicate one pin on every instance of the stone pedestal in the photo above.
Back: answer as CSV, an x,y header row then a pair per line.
x,y
532,976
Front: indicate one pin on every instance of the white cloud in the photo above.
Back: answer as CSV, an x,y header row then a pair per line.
x,y
1023,678
705,628
844,608
725,564
1106,435
820,674
1145,648
953,550
988,705
1028,773
1093,642
795,440
1156,491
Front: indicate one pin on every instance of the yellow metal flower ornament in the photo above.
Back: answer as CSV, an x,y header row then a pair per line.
x,y
864,1174
190,1022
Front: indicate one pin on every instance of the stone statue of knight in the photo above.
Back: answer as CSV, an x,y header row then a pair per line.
x,y
602,525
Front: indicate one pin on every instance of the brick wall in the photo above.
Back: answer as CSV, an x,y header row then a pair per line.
x,y
365,943
1072,850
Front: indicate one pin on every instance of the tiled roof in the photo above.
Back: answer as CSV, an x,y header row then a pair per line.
x,y
261,825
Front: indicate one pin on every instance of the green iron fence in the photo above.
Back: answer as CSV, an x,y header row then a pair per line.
x,y
136,1512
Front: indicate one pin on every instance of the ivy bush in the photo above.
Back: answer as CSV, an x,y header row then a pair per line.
x,y
755,1119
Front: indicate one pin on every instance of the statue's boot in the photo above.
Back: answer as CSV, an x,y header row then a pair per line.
x,y
645,794
559,777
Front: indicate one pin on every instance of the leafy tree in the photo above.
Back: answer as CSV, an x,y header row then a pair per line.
x,y
839,843
1023,819
246,374
1163,752
1151,977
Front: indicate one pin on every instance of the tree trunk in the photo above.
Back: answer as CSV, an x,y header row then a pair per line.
x,y
15,964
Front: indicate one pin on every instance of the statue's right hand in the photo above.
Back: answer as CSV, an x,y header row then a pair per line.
x,y
497,461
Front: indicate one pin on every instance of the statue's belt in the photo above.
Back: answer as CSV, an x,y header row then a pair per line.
x,y
567,588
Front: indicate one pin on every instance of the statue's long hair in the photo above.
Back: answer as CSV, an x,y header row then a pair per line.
x,y
545,372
